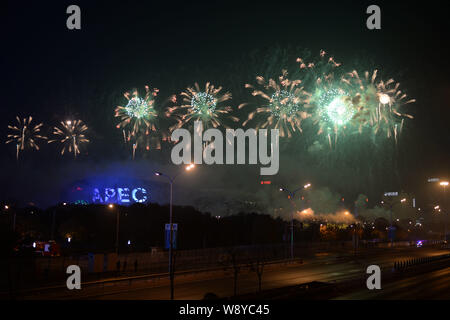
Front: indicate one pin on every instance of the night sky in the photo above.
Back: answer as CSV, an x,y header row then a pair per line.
x,y
53,73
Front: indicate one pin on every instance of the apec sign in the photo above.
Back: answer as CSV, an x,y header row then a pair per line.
x,y
122,195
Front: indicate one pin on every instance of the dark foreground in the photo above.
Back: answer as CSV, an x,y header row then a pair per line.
x,y
325,276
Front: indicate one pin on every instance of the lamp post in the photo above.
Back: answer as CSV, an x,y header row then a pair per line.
x,y
111,206
444,184
390,205
291,195
7,208
171,181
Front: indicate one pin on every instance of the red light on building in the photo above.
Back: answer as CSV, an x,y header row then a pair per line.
x,y
266,182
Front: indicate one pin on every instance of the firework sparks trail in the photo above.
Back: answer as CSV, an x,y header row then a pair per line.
x,y
71,134
345,103
330,103
138,120
378,103
139,113
201,105
25,135
284,107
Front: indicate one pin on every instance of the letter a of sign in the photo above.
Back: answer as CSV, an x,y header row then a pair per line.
x,y
74,20
374,281
374,21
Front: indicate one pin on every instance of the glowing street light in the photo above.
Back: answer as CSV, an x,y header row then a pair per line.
x,y
444,184
390,204
6,208
171,181
291,197
111,206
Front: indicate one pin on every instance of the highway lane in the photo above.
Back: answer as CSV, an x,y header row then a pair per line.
x,y
433,285
326,267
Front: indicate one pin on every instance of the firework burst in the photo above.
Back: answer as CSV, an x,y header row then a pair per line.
x,y
201,105
331,110
138,114
71,135
321,70
284,107
138,120
25,135
378,103
334,112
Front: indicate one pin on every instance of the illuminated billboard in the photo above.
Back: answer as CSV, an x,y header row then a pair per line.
x,y
120,195
106,189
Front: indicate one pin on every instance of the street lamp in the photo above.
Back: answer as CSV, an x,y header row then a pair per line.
x,y
171,181
444,184
111,206
390,205
6,207
291,197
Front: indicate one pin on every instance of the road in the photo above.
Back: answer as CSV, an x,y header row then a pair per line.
x,y
326,267
434,285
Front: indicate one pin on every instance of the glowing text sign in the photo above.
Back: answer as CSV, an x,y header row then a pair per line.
x,y
119,195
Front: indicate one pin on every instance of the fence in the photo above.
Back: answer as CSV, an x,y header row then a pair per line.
x,y
44,270
401,266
